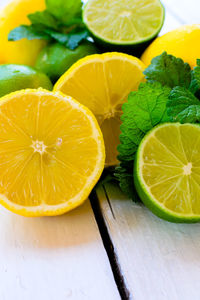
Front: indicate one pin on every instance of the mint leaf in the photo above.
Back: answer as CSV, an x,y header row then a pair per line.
x,y
70,40
169,70
29,32
195,83
124,175
64,10
183,106
143,110
76,38
43,18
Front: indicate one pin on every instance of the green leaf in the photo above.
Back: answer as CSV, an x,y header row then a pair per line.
x,y
29,32
70,40
43,18
124,174
195,82
169,70
183,106
64,10
143,110
76,38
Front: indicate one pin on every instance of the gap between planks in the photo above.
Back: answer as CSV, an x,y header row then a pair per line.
x,y
107,242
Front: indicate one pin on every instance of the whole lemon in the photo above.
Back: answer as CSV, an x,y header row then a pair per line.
x,y
13,15
183,42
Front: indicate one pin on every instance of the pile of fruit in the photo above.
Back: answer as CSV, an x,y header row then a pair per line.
x,y
75,99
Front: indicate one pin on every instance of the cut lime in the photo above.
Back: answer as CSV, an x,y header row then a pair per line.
x,y
127,22
167,172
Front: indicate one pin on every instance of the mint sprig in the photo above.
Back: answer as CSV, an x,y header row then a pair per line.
x,y
60,22
65,10
171,93
169,70
183,106
143,110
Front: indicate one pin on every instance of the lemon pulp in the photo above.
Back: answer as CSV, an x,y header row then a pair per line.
x,y
51,153
102,83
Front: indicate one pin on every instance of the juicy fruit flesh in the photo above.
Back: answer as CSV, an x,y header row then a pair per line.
x,y
50,156
124,21
170,167
102,83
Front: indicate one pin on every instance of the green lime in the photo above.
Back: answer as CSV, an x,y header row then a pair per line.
x,y
18,77
127,22
167,172
54,60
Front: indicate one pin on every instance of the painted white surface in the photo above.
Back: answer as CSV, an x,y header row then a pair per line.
x,y
159,260
186,11
54,258
63,257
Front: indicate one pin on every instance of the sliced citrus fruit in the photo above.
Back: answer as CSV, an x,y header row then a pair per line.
x,y
167,172
51,152
126,22
102,82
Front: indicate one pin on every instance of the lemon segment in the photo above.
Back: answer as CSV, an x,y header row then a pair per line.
x,y
102,83
51,152
167,171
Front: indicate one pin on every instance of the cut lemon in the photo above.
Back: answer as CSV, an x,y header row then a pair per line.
x,y
102,82
51,153
167,172
126,22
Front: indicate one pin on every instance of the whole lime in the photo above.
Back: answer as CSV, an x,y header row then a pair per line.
x,y
18,77
55,59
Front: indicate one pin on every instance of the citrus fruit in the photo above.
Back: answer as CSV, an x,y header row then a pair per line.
x,y
167,172
102,82
127,22
18,77
13,15
183,42
52,152
55,59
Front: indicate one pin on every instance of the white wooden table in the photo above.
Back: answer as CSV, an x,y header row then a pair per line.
x,y
117,250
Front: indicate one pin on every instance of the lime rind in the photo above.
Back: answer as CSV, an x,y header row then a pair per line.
x,y
137,42
147,198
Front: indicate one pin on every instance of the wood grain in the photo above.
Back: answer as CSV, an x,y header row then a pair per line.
x,y
54,258
158,260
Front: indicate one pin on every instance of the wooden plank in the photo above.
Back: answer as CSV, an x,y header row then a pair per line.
x,y
158,260
54,258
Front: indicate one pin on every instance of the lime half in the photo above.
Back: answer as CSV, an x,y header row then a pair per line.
x,y
127,22
167,172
